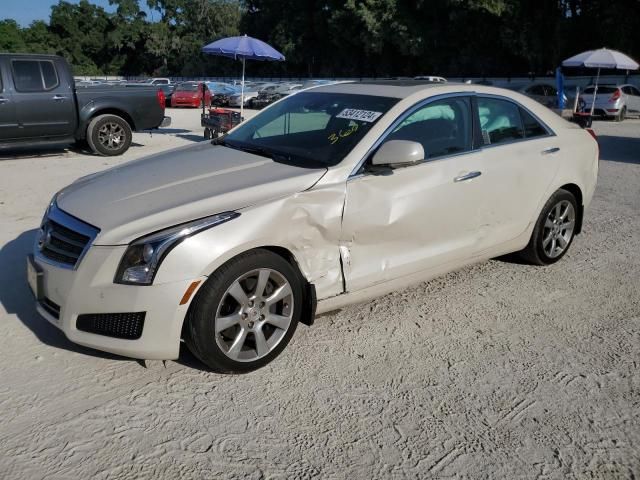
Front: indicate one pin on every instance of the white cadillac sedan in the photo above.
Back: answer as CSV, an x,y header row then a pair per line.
x,y
332,196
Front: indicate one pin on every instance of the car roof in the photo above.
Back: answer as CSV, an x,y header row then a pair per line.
x,y
400,88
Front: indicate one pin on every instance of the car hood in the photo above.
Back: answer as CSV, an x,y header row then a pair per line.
x,y
177,186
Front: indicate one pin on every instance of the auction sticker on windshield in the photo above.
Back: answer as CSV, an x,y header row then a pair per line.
x,y
360,115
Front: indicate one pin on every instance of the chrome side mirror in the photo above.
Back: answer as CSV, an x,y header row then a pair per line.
x,y
398,152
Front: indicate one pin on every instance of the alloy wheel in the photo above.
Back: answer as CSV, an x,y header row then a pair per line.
x,y
254,315
111,135
558,229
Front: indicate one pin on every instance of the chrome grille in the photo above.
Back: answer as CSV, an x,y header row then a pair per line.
x,y
63,239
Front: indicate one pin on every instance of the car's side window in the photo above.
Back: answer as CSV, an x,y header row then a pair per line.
x,y
443,127
500,121
627,90
49,75
34,75
532,127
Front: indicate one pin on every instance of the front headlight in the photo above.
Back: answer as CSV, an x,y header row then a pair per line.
x,y
143,257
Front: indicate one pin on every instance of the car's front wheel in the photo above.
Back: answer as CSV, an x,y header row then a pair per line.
x,y
554,230
246,312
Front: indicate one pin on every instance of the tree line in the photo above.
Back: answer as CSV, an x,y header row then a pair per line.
x,y
340,38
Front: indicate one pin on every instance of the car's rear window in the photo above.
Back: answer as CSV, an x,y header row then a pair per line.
x,y
601,89
187,87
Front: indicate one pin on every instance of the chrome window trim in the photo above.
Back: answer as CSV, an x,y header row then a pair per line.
x,y
59,216
412,109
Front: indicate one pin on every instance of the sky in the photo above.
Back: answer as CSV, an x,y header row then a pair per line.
x,y
26,11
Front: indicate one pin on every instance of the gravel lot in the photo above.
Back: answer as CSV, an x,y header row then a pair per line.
x,y
501,370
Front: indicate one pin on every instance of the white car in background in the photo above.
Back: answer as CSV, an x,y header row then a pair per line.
x,y
329,197
612,101
431,78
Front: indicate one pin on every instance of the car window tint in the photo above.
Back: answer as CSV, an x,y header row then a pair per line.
x,y
49,75
532,128
635,91
500,121
442,127
294,123
551,91
27,76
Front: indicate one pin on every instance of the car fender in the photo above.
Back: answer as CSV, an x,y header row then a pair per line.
x,y
114,105
307,224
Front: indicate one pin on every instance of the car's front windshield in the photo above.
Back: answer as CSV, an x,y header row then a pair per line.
x,y
310,129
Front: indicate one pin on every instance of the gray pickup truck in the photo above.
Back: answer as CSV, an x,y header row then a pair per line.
x,y
40,104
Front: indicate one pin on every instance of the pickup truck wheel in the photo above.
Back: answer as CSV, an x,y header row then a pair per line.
x,y
109,135
246,313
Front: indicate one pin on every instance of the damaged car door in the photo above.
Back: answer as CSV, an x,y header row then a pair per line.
x,y
408,217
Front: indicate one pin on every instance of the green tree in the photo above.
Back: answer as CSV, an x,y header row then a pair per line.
x,y
11,37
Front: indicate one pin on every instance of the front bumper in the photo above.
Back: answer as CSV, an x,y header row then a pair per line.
x,y
89,289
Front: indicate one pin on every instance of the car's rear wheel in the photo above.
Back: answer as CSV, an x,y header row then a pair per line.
x,y
622,114
554,230
109,135
246,313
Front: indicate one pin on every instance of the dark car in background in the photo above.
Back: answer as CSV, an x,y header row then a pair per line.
x,y
41,104
221,93
544,93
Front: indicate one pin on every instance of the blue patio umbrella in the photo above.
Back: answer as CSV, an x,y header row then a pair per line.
x,y
243,48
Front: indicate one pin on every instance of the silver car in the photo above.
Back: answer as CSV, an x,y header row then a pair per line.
x,y
612,101
544,93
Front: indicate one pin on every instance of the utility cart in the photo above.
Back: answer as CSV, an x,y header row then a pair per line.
x,y
219,121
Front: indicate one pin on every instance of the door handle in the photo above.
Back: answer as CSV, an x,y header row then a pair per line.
x,y
57,98
549,151
4,100
467,176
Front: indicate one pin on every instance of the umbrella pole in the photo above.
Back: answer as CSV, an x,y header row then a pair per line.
x,y
242,92
595,93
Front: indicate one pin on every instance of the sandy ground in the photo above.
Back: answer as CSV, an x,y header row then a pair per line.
x,y
501,370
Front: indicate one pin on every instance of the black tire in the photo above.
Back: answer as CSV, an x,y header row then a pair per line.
x,y
98,135
201,337
536,251
621,115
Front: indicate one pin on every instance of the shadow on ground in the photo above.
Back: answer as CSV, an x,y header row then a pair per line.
x,y
619,149
16,297
30,151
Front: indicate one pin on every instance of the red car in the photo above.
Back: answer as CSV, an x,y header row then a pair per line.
x,y
189,94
